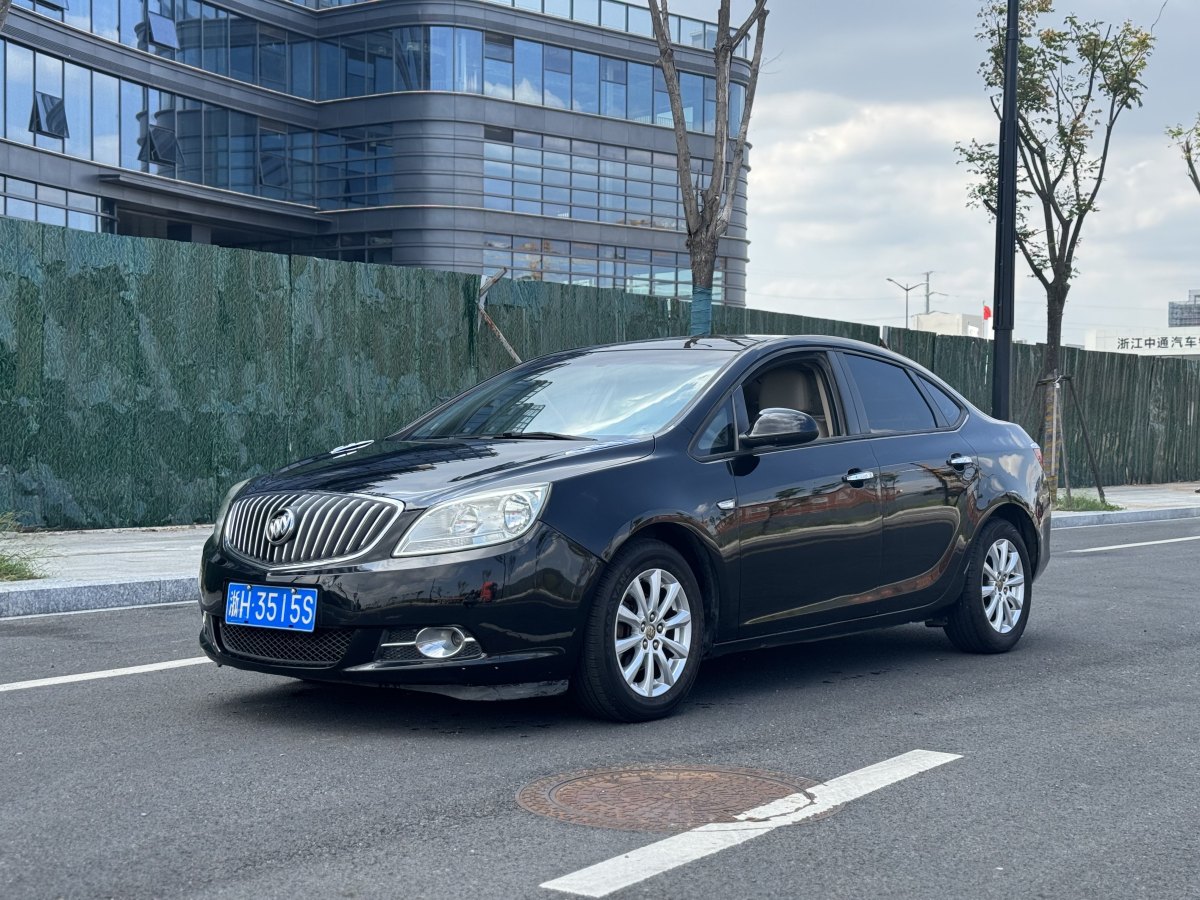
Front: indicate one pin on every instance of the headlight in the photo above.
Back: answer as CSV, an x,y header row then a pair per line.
x,y
478,520
224,507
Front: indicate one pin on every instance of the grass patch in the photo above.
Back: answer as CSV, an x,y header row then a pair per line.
x,y
1084,503
16,564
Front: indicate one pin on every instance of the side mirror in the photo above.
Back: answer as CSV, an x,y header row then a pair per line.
x,y
779,427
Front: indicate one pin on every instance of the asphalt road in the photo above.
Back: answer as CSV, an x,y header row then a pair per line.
x,y
1079,773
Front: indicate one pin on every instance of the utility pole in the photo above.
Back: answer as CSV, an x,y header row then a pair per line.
x,y
906,288
927,274
1006,227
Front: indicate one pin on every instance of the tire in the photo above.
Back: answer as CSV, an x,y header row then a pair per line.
x,y
998,559
661,669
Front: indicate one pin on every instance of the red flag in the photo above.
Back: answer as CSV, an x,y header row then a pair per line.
x,y
987,312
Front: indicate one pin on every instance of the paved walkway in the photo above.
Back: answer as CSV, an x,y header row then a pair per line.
x,y
140,566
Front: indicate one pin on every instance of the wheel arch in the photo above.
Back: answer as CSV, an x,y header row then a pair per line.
x,y
700,557
1020,518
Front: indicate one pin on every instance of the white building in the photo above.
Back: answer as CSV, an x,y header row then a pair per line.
x,y
961,324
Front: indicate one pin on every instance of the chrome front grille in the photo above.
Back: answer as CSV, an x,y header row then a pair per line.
x,y
327,527
323,647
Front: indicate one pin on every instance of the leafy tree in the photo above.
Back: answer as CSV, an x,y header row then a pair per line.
x,y
708,207
1074,81
1188,141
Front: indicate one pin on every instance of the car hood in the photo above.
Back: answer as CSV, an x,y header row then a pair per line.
x,y
424,472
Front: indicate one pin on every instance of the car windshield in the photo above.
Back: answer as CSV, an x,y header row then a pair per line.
x,y
618,393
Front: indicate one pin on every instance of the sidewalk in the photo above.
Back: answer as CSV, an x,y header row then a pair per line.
x,y
142,566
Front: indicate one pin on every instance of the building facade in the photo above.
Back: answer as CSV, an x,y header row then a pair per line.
x,y
1184,315
472,135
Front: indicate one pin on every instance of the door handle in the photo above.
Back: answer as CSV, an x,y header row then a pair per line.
x,y
959,461
857,477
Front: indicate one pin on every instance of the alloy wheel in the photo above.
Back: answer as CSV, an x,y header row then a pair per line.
x,y
1003,586
652,635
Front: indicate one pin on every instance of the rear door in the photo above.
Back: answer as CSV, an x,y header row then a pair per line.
x,y
926,469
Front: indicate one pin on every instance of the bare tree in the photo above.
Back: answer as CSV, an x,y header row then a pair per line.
x,y
1188,141
5,5
708,206
1073,84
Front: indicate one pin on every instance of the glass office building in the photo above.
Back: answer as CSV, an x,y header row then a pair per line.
x,y
474,135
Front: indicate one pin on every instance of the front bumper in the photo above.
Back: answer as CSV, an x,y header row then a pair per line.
x,y
523,603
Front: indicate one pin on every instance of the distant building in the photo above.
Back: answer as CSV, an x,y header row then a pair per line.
x,y
961,324
1184,315
533,136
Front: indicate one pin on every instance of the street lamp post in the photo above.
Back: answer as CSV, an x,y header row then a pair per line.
x,y
1006,226
906,288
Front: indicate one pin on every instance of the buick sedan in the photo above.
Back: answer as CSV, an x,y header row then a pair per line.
x,y
602,520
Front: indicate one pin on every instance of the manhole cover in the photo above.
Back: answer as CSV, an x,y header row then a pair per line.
x,y
657,798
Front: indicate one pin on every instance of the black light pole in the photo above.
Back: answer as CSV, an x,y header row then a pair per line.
x,y
1006,227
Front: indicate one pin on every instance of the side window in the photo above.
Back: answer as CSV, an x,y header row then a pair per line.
x,y
947,404
797,383
718,435
891,401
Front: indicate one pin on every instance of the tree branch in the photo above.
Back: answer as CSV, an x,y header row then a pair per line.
x,y
683,160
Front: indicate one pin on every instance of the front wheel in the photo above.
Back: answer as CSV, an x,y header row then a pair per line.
x,y
643,638
992,612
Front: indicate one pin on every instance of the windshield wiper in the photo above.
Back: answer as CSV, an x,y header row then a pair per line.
x,y
535,436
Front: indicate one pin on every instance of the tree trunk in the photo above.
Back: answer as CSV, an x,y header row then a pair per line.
x,y
1056,302
704,260
4,7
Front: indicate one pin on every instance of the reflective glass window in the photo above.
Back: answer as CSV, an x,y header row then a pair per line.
x,y
77,85
691,92
162,31
527,75
640,92
612,87
215,39
133,106
612,14
106,117
468,61
104,20
557,77
441,59
79,14
301,68
585,82
329,70
498,66
412,59
639,22
558,8
131,18
272,58
382,77
243,48
586,11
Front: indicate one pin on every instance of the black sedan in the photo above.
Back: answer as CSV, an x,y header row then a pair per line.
x,y
603,519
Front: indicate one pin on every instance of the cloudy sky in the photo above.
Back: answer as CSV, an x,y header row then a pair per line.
x,y
855,179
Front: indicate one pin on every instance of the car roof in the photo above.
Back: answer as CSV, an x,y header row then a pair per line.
x,y
740,343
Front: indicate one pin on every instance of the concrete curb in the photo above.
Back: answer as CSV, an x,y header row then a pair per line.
x,y
1122,516
54,595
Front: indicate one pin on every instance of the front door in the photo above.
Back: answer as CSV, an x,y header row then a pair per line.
x,y
809,517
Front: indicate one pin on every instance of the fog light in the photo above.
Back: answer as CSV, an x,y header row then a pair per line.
x,y
439,643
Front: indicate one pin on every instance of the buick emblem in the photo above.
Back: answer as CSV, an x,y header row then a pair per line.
x,y
281,527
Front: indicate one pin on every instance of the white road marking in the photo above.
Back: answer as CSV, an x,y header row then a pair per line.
x,y
105,673
620,872
1138,544
102,609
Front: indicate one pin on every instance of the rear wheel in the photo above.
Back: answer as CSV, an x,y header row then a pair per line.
x,y
992,612
643,638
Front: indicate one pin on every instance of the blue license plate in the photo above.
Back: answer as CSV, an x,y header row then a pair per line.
x,y
287,608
